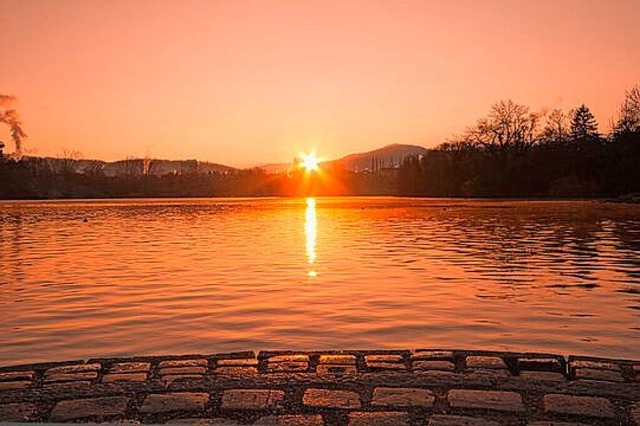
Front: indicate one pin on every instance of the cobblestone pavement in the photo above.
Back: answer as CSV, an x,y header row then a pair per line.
x,y
420,387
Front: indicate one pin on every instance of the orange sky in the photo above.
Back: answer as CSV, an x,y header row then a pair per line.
x,y
246,82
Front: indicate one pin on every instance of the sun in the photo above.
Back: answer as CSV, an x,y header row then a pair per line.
x,y
310,162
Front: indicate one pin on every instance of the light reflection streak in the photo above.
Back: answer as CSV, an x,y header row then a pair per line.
x,y
310,231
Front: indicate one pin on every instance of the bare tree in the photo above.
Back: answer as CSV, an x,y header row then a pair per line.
x,y
94,168
556,128
153,167
508,125
68,161
130,167
629,115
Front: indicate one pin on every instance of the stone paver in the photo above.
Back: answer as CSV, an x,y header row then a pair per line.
x,y
402,397
70,377
182,370
291,420
334,369
539,364
578,406
235,371
337,359
119,377
595,374
130,367
288,363
289,358
331,398
14,385
92,407
445,420
433,365
237,362
486,400
496,374
180,363
431,355
602,365
252,399
17,375
168,380
383,358
423,387
386,365
487,362
380,418
282,367
71,387
19,412
75,368
542,376
178,401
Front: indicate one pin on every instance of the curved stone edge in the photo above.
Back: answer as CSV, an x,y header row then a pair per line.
x,y
423,386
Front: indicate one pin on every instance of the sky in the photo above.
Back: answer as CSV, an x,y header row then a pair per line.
x,y
244,82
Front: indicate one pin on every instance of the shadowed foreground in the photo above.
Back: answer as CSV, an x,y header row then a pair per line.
x,y
422,387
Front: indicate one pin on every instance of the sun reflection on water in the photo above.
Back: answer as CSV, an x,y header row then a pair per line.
x,y
310,231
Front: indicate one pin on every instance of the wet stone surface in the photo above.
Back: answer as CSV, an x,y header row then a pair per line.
x,y
402,397
433,365
17,375
89,408
327,398
251,399
585,406
486,400
20,412
130,367
394,418
439,420
486,362
432,387
118,377
168,402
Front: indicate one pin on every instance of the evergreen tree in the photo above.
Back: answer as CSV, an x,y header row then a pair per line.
x,y
583,124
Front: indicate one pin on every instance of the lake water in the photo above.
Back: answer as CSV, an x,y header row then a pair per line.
x,y
81,279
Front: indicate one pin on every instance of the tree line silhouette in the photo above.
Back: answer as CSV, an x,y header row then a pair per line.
x,y
512,152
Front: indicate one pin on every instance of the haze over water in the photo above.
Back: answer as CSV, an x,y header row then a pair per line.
x,y
102,278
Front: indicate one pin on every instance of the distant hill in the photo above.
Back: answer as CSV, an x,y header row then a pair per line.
x,y
387,156
275,167
164,167
134,166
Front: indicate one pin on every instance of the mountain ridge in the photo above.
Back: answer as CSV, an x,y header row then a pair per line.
x,y
390,155
387,156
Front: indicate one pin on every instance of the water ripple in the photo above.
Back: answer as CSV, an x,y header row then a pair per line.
x,y
122,277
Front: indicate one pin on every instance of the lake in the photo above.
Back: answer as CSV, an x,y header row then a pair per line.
x,y
82,279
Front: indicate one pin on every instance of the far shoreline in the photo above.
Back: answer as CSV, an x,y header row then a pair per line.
x,y
626,199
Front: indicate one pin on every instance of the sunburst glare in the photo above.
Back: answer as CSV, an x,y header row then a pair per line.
x,y
310,162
